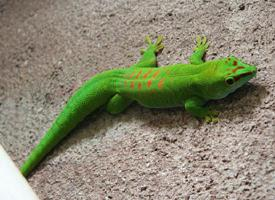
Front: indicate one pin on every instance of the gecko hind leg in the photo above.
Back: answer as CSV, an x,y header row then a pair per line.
x,y
149,55
117,104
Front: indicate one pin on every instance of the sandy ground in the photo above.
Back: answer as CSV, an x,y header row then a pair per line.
x,y
48,48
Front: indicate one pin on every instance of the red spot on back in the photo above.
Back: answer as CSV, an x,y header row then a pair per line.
x,y
160,83
132,85
138,73
156,74
149,83
235,63
147,73
237,68
139,85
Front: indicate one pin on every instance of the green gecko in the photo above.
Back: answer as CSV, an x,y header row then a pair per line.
x,y
188,85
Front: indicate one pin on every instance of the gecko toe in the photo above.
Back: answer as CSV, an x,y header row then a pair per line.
x,y
148,39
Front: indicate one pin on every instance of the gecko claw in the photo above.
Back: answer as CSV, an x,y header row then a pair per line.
x,y
198,40
159,40
148,39
209,119
159,48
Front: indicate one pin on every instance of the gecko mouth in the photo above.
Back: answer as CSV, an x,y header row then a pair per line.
x,y
236,78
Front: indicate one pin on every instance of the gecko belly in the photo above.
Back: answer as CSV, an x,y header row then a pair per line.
x,y
155,99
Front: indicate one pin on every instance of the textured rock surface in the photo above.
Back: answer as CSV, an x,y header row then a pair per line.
x,y
48,48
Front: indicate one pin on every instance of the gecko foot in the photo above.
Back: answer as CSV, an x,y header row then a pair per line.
x,y
212,116
201,43
157,47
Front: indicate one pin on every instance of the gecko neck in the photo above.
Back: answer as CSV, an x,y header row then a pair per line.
x,y
205,80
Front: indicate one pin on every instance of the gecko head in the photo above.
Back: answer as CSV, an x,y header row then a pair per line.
x,y
232,73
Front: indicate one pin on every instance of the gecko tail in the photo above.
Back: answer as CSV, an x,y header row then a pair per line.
x,y
92,95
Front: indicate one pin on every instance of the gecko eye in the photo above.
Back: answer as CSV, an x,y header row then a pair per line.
x,y
229,81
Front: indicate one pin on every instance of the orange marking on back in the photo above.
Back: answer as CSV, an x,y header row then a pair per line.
x,y
140,71
125,83
147,73
139,85
237,68
132,85
156,74
235,63
149,83
160,83
132,74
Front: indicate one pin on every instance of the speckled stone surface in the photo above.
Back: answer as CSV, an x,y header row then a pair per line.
x,y
48,48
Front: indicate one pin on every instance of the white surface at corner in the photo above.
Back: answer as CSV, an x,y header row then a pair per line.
x,y
13,186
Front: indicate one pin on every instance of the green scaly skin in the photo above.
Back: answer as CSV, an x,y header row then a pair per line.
x,y
189,85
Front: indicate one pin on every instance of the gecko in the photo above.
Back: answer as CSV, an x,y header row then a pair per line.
x,y
179,85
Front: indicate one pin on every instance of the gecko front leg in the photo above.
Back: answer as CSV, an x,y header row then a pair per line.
x,y
194,106
199,51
